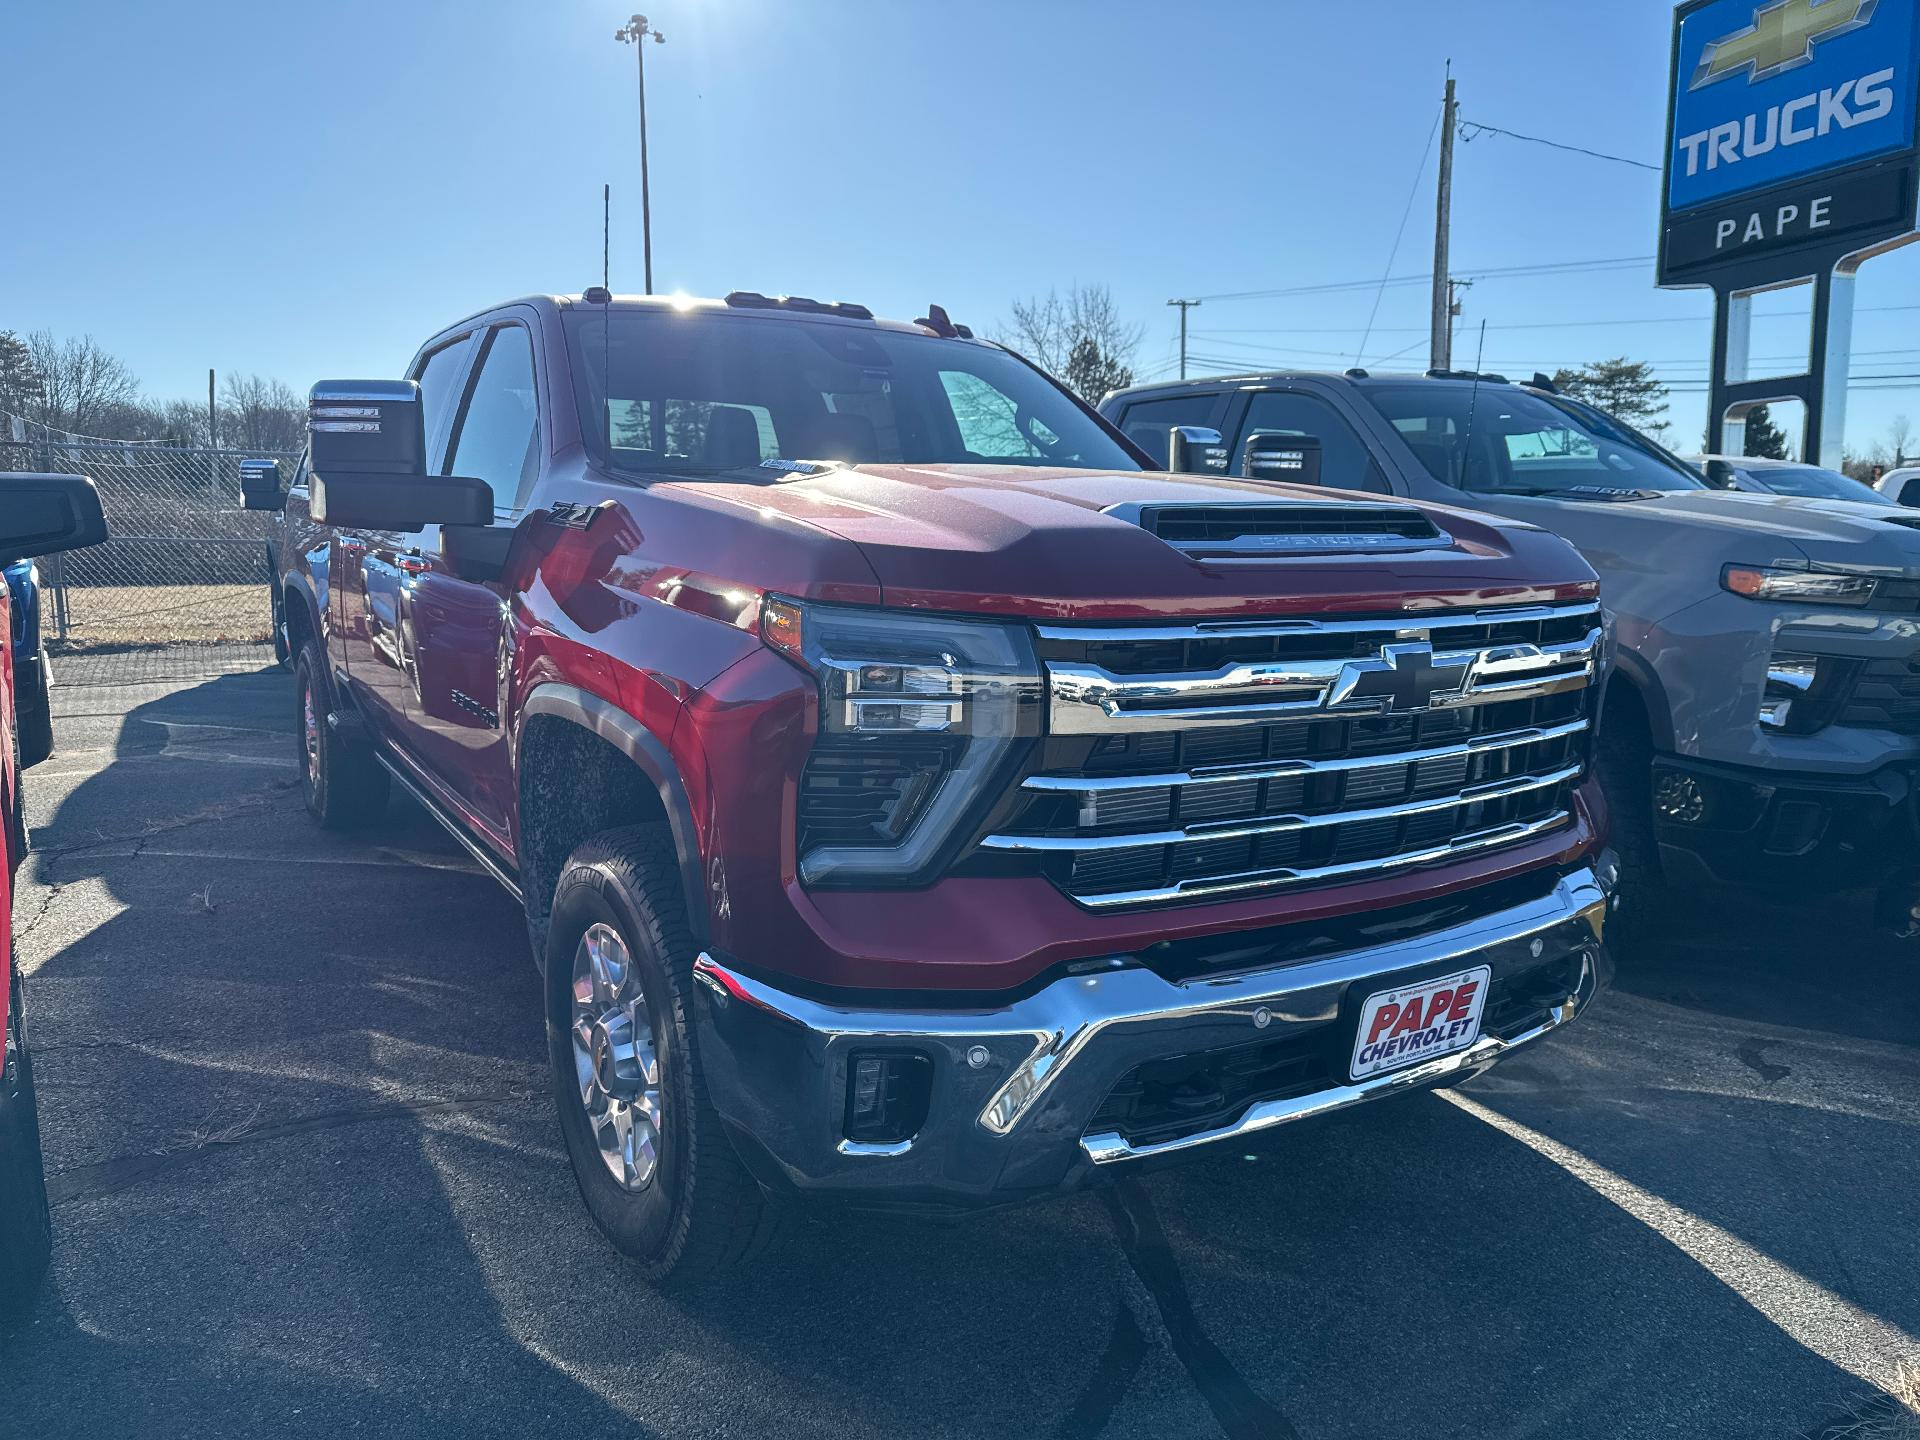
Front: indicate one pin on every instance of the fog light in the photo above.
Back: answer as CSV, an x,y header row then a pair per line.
x,y
1680,799
887,1097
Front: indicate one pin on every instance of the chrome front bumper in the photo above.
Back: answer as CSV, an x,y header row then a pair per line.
x,y
1016,1087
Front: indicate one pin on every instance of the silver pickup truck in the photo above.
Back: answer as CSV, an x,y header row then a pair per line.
x,y
1763,726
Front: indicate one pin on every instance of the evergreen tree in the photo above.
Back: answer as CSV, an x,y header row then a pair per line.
x,y
1765,440
1622,388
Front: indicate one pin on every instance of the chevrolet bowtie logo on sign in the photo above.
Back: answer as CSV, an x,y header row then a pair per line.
x,y
1780,39
1405,677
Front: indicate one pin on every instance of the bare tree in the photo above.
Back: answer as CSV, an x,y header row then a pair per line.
x,y
80,383
1899,436
257,413
1056,331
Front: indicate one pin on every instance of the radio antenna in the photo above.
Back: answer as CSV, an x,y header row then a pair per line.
x,y
1473,407
606,232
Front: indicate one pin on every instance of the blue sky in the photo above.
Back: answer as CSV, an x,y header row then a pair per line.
x,y
308,190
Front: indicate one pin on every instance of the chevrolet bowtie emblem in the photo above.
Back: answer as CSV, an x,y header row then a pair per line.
x,y
1781,38
1406,677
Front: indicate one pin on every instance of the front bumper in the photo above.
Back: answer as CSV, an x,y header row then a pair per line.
x,y
1805,832
1021,1094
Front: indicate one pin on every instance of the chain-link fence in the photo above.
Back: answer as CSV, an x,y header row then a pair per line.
x,y
186,564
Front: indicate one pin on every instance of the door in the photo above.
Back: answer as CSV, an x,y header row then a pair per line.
x,y
461,632
372,569
1346,462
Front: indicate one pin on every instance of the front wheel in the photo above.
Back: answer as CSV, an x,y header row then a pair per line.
x,y
344,785
657,1172
26,1226
1623,757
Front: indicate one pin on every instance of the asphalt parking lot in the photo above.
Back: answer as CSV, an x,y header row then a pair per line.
x,y
307,1180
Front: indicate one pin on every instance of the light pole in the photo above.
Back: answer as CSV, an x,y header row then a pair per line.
x,y
636,32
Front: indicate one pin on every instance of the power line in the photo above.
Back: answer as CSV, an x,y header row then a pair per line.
x,y
1511,272
1471,130
1413,193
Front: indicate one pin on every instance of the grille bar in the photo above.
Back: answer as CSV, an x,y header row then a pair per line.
x,y
1287,769
1241,883
1090,700
1279,825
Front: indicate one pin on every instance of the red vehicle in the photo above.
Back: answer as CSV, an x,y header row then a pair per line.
x,y
914,798
39,514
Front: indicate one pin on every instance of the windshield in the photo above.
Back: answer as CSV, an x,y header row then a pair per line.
x,y
1812,483
707,393
1502,440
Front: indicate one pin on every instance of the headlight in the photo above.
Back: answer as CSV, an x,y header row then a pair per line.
x,y
1812,587
923,722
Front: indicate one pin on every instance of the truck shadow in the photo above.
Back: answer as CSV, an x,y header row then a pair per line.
x,y
360,1214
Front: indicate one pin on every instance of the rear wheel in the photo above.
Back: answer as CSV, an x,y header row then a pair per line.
x,y
26,1226
344,785
657,1172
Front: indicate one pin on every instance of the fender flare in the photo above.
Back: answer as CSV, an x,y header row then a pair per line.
x,y
641,746
1629,667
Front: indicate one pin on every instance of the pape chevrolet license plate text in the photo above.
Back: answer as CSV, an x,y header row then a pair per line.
x,y
1420,1022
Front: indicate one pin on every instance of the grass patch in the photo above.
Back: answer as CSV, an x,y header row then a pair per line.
x,y
117,616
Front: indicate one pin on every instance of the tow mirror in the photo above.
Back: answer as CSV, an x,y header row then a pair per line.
x,y
1194,449
1720,475
260,485
368,462
1292,458
43,514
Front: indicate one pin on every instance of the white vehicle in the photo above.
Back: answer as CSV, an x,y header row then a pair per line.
x,y
1899,487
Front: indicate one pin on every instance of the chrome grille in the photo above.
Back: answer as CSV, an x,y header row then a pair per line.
x,y
1206,760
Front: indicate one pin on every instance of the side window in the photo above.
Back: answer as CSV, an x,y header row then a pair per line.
x,y
439,379
498,437
1346,463
1147,423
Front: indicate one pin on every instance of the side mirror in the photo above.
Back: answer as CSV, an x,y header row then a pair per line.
x,y
1194,449
1292,458
260,485
368,462
43,514
1720,475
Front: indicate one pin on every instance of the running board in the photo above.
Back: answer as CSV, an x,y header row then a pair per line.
x,y
488,861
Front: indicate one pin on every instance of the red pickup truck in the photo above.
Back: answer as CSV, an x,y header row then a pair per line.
x,y
39,514
915,799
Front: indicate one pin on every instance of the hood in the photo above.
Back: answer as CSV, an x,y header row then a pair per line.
x,y
1089,544
1764,529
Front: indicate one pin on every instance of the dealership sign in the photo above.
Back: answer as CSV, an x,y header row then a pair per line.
x,y
1792,136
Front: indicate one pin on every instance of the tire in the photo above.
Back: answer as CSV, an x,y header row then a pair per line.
x,y
344,785
26,1225
1623,759
691,1209
34,717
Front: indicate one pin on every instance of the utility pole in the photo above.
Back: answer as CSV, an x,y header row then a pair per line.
x,y
1443,237
636,32
213,423
1185,306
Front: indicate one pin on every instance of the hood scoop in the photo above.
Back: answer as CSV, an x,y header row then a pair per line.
x,y
1250,534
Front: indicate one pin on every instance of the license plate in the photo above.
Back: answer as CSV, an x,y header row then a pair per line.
x,y
1420,1022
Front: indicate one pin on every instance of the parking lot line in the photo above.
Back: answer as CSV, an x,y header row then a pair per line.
x,y
1811,1314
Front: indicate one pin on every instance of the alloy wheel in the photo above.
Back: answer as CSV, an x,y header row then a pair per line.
x,y
615,1060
